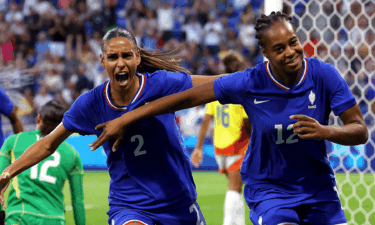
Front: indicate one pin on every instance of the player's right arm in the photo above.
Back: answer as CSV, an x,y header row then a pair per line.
x,y
197,155
33,155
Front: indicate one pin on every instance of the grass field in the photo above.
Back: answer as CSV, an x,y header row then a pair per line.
x,y
211,188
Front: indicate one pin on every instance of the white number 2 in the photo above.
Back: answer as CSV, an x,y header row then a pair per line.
x,y
138,150
280,139
43,169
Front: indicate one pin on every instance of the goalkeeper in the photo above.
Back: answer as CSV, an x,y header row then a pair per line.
x,y
36,195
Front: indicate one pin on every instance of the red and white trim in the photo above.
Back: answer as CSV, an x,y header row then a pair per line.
x,y
268,69
138,221
122,108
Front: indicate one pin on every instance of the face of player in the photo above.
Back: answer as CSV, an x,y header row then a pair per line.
x,y
283,49
120,58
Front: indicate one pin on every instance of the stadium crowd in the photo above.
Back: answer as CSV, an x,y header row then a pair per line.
x,y
51,48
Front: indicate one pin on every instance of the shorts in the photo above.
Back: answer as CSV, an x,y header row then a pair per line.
x,y
184,216
230,163
29,219
323,208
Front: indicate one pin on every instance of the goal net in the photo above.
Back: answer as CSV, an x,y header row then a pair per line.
x,y
342,33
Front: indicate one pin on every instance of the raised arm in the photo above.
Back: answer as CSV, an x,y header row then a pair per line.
x,y
193,97
33,155
199,79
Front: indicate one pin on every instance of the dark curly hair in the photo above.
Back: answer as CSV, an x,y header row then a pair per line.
x,y
265,22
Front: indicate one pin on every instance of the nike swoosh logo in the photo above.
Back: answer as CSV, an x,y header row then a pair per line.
x,y
258,102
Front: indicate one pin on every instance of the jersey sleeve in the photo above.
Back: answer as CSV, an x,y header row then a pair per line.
x,y
5,159
231,89
6,105
341,98
75,178
78,118
242,112
210,109
175,82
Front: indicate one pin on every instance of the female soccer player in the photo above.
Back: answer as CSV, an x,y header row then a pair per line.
x,y
151,179
231,138
36,194
287,175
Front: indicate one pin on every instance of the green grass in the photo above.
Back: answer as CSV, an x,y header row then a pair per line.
x,y
212,186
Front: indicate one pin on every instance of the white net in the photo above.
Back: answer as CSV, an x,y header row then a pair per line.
x,y
342,32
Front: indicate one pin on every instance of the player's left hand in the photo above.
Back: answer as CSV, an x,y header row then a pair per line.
x,y
308,128
4,183
111,129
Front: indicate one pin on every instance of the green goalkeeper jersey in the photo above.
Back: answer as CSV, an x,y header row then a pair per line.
x,y
39,190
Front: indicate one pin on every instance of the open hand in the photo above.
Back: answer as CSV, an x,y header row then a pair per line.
x,y
4,183
197,157
111,129
308,128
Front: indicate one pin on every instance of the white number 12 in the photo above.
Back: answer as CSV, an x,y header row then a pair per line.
x,y
43,169
280,139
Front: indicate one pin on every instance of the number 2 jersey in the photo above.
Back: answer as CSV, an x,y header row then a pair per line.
x,y
276,157
150,169
38,191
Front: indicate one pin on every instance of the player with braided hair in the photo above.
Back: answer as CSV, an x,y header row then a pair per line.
x,y
288,99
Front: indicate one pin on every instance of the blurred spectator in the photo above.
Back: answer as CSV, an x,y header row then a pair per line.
x,y
95,44
109,11
213,30
247,33
42,97
82,83
165,21
42,45
193,30
58,37
32,24
52,80
12,12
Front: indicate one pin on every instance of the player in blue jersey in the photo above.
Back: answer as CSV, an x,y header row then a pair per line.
x,y
287,175
151,179
9,110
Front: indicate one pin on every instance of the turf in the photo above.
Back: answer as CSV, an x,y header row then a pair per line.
x,y
211,188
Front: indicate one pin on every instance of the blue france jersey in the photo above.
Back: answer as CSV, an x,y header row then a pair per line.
x,y
6,107
150,169
276,157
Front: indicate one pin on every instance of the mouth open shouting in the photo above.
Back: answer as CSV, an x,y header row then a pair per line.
x,y
122,78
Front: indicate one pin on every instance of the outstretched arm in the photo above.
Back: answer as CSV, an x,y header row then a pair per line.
x,y
193,97
15,121
34,154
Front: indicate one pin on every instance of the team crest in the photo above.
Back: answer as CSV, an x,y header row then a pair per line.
x,y
312,100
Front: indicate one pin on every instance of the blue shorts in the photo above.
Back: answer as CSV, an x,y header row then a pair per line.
x,y
183,216
323,208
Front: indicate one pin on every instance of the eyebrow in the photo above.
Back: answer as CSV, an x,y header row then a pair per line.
x,y
113,53
281,44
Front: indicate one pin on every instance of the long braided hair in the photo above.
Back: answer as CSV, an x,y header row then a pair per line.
x,y
151,61
265,22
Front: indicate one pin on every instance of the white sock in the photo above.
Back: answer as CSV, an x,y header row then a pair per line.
x,y
233,209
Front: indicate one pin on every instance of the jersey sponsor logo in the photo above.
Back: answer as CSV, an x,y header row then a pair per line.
x,y
259,102
312,100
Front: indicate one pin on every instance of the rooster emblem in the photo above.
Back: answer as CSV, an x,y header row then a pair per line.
x,y
312,97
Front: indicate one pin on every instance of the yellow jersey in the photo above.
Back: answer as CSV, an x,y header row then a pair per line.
x,y
229,132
